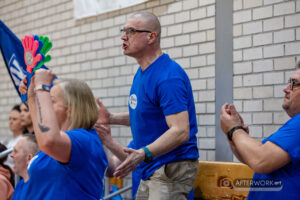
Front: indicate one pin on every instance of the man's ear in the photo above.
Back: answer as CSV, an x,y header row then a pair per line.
x,y
152,37
28,158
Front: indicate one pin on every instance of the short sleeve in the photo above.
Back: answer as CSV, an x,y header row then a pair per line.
x,y
131,145
173,97
288,138
78,148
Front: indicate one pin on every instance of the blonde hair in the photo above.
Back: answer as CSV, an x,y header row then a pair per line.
x,y
80,101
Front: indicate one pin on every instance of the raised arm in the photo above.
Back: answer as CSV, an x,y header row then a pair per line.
x,y
260,157
50,139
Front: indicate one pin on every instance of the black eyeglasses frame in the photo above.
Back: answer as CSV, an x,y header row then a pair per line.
x,y
292,84
129,31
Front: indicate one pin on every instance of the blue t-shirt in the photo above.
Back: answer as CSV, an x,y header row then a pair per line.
x,y
80,178
20,189
288,138
161,90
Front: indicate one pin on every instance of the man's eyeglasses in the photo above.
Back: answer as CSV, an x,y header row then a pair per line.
x,y
292,84
131,31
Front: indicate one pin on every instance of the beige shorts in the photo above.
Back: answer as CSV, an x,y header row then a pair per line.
x,y
172,181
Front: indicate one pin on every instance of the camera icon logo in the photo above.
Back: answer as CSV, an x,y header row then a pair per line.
x,y
225,182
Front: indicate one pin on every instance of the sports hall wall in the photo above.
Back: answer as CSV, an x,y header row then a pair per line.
x,y
266,47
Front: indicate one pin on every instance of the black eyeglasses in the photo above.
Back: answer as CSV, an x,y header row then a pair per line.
x,y
130,31
293,83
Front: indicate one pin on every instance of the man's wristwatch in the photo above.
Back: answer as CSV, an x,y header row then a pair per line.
x,y
148,155
229,134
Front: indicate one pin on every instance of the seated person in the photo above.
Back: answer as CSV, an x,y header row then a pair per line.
x,y
22,154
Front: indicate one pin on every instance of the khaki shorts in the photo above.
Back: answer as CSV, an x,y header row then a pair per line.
x,y
172,181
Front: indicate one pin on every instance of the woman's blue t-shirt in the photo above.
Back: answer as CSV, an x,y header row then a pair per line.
x,y
81,178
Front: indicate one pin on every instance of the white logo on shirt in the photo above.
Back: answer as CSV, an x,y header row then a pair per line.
x,y
31,161
132,101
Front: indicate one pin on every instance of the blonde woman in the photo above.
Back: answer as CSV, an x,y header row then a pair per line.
x,y
72,162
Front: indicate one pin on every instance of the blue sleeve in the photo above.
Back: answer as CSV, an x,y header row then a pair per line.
x,y
173,97
131,145
79,140
288,138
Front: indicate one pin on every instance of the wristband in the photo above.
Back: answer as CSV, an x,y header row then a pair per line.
x,y
148,155
42,88
229,133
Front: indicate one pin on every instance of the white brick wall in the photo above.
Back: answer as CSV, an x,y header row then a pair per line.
x,y
284,63
272,104
242,42
252,80
273,24
93,44
262,92
252,27
262,12
292,48
252,53
242,93
262,65
266,36
242,16
273,51
284,36
252,105
269,59
242,68
284,8
262,39
252,3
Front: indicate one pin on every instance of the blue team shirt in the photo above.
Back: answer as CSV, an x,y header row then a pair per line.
x,y
161,90
20,189
81,178
288,138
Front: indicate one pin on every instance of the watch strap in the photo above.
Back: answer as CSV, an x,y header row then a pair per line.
x,y
148,155
42,88
229,133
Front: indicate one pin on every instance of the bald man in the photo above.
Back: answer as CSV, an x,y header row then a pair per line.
x,y
161,115
22,154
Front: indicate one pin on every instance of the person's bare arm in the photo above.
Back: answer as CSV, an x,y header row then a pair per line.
x,y
109,142
105,117
51,140
260,157
177,134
